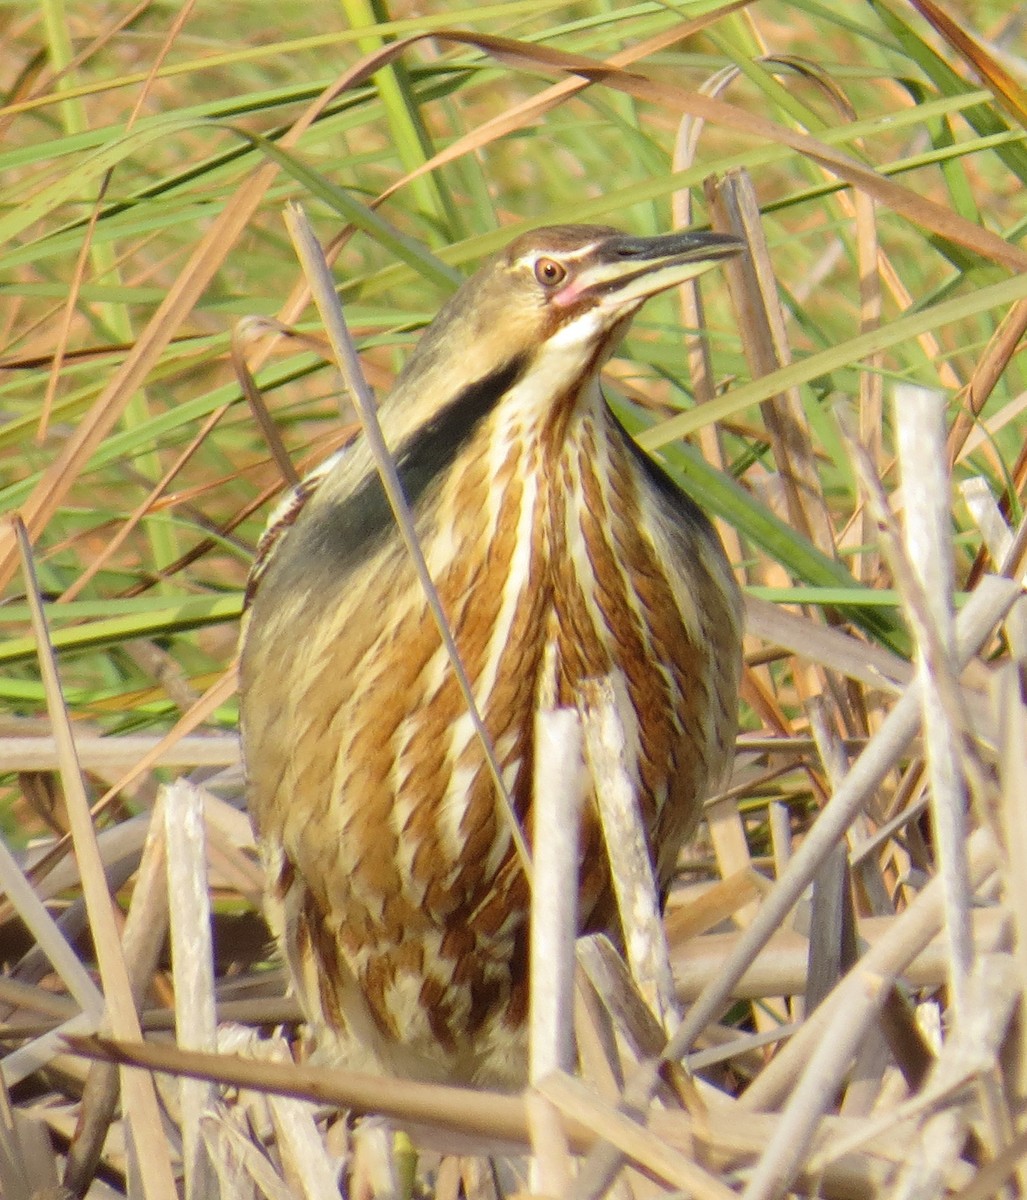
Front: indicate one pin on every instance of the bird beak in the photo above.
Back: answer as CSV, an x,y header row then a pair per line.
x,y
625,271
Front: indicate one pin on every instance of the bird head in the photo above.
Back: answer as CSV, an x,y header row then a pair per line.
x,y
558,299
565,272
517,350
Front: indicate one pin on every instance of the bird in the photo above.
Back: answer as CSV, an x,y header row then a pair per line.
x,y
561,552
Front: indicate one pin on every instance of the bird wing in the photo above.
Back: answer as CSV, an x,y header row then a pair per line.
x,y
283,517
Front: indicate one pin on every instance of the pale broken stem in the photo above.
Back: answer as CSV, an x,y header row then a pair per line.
x,y
639,1035
558,791
550,1171
193,967
919,420
631,867
242,1167
307,1165
322,288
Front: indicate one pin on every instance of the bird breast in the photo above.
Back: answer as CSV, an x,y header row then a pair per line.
x,y
556,560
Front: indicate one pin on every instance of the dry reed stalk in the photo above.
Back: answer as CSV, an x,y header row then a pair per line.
x,y
735,209
141,1109
919,419
781,968
558,787
559,780
193,969
27,1161
987,606
145,929
905,937
113,756
634,882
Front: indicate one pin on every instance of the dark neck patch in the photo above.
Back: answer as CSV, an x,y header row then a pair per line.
x,y
350,529
676,500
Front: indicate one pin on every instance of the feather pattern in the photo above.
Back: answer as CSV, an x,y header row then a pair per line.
x,y
395,887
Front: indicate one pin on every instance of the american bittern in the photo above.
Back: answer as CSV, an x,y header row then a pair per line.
x,y
561,553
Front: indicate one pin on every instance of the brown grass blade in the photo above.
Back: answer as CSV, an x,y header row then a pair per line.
x,y
142,1111
488,1114
1006,89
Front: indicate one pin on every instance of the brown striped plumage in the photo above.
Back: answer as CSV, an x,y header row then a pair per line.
x,y
560,553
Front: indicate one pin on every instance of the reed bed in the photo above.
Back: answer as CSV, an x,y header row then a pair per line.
x,y
832,1004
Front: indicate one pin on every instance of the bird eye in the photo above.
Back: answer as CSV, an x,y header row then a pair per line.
x,y
549,272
